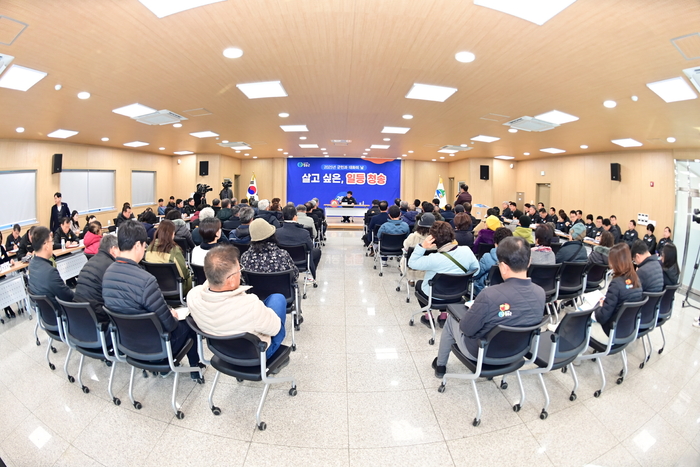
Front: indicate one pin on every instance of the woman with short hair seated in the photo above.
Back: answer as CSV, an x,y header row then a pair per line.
x,y
602,249
163,249
542,252
210,231
93,237
463,229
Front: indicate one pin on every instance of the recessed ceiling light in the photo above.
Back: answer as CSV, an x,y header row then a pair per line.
x,y
407,116
379,146
285,153
233,52
62,134
136,144
535,11
134,110
635,98
609,104
280,149
20,78
161,148
308,146
485,139
429,92
433,160
163,8
238,152
552,150
398,158
465,57
183,153
302,137
583,146
387,139
410,152
627,142
442,157
404,155
255,157
177,125
556,117
291,157
225,141
505,158
326,155
58,87
452,155
526,154
397,130
362,157
19,129
203,134
464,145
262,89
83,95
323,149
673,90
283,114
105,139
246,154
241,148
671,139
364,153
512,130
294,128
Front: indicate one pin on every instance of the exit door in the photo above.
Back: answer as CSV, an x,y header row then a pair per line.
x,y
543,194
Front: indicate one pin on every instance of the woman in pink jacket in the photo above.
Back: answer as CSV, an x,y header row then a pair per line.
x,y
92,238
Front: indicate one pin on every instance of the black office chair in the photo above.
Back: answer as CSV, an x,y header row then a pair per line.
x,y
302,259
186,251
390,246
199,276
372,248
502,351
648,320
555,246
85,334
443,289
242,247
48,321
623,331
483,248
404,271
547,277
265,284
140,341
559,349
572,282
666,310
243,356
89,257
494,277
169,281
225,232
596,277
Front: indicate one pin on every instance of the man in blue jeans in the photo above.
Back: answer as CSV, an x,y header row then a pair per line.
x,y
221,306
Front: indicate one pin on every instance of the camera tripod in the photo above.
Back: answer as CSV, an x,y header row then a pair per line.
x,y
687,303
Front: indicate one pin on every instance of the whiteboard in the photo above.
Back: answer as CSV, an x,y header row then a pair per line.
x,y
88,190
18,189
143,188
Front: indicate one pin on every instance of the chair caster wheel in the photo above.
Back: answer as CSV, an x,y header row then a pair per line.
x,y
398,289
117,401
381,274
315,285
375,267
86,389
620,380
53,349
240,380
476,422
71,379
179,415
622,372
296,327
38,343
597,393
441,388
504,385
572,397
543,415
408,300
564,369
262,426
216,411
660,351
294,347
137,405
641,365
293,392
145,374
593,359
410,323
52,366
431,341
304,296
516,408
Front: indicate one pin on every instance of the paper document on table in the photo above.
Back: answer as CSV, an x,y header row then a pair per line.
x,y
182,312
591,300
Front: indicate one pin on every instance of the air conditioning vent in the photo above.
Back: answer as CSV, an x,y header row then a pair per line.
x,y
448,149
530,124
693,75
5,60
238,145
162,117
341,142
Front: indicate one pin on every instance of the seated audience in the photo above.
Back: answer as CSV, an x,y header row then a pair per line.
x,y
225,212
74,223
624,287
234,221
408,214
125,215
650,239
264,254
448,214
600,252
631,235
552,217
241,235
669,264
305,220
648,267
161,208
128,289
63,232
189,207
590,226
597,229
542,217
485,236
93,238
5,258
43,276
573,250
424,221
292,233
523,229
89,287
577,231
507,213
562,224
449,259
394,225
182,230
523,299
210,232
463,230
517,213
489,259
89,218
542,252
14,239
376,220
665,240
149,221
615,229
205,213
163,249
216,205
25,245
222,307
269,216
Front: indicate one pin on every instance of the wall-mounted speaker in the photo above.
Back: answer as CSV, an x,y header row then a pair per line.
x,y
57,163
203,168
484,172
615,173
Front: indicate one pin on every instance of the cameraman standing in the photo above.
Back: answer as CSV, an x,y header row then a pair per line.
x,y
226,193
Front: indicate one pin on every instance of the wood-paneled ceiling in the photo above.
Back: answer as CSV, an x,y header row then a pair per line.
x,y
346,66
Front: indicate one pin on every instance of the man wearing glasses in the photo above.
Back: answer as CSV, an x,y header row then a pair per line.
x,y
222,307
43,276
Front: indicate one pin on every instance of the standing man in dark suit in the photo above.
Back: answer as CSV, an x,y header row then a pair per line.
x,y
292,233
58,210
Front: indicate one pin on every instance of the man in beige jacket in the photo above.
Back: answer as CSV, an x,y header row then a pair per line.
x,y
222,307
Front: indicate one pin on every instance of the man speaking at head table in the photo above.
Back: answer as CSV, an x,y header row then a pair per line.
x,y
347,200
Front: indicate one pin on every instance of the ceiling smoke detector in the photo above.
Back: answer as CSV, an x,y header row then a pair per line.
x,y
530,124
161,117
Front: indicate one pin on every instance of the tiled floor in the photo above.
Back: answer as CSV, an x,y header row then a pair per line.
x,y
367,396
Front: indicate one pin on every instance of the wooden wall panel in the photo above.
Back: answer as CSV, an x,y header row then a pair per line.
x,y
184,177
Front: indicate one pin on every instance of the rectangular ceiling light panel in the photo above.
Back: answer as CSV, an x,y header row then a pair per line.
x,y
136,144
20,78
163,8
204,134
485,139
556,117
396,130
673,90
505,158
63,134
134,110
553,150
535,11
448,151
379,146
293,128
308,146
429,92
262,89
183,153
627,142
